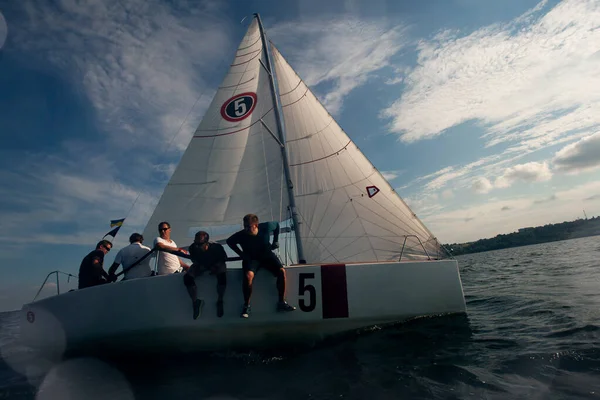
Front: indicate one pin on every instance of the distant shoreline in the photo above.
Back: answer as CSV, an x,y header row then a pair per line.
x,y
531,235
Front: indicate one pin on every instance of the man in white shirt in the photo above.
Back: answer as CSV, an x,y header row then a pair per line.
x,y
128,255
168,263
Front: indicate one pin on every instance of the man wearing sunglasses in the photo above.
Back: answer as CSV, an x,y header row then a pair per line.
x,y
168,263
91,271
257,253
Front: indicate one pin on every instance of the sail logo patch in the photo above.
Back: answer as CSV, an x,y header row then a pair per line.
x,y
372,191
239,107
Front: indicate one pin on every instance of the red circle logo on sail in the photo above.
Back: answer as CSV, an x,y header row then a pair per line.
x,y
239,107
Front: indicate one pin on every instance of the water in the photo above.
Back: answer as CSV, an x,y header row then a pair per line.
x,y
532,332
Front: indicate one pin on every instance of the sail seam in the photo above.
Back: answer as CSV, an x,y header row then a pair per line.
x,y
339,187
237,84
312,134
336,218
288,92
229,133
315,237
247,54
247,47
356,238
295,101
246,62
322,158
409,228
416,227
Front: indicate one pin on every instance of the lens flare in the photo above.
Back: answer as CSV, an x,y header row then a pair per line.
x,y
84,378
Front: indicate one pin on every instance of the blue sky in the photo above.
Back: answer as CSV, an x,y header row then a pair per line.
x,y
484,115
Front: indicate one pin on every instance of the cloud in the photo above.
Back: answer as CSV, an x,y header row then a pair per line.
x,y
594,197
143,68
539,69
451,225
391,175
505,208
138,62
583,155
482,186
68,204
529,172
343,52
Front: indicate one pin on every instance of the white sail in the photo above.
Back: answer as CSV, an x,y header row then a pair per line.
x,y
233,164
347,211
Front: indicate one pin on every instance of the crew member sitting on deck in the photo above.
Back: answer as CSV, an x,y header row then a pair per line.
x,y
211,257
168,263
256,254
128,255
91,271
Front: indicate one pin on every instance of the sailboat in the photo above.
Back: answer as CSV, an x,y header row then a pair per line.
x,y
356,255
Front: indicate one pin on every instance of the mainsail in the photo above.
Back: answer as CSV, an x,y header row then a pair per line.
x,y
346,210
233,165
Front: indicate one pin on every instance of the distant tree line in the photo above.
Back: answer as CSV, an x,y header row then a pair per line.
x,y
527,236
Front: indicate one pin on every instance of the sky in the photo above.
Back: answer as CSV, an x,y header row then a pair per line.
x,y
483,115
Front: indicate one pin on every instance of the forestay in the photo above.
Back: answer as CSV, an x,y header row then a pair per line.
x,y
233,164
348,212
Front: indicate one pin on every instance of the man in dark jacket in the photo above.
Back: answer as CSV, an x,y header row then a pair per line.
x,y
91,270
206,256
257,253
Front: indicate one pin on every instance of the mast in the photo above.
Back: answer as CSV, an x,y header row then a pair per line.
x,y
290,186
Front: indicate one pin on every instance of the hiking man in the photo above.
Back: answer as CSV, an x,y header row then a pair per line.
x,y
206,256
167,263
128,255
256,253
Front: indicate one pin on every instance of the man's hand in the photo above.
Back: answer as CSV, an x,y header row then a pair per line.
x,y
275,245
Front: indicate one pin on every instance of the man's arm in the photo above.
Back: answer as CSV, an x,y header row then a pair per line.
x,y
275,244
183,264
276,232
97,265
162,246
221,254
232,242
113,268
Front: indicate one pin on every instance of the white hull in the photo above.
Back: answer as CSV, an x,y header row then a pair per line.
x,y
155,314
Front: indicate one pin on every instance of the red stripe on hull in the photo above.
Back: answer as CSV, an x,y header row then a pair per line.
x,y
334,291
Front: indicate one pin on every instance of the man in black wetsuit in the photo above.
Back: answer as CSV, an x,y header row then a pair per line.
x,y
211,257
91,271
256,253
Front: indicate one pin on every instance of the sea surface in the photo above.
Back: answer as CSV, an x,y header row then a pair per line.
x,y
532,332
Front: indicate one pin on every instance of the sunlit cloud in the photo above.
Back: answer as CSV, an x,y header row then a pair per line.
x,y
343,52
529,172
539,68
482,186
